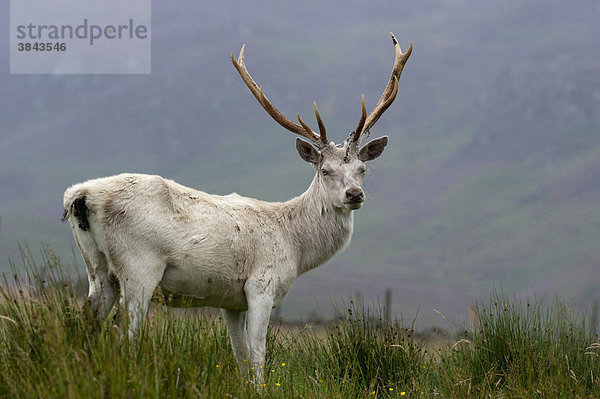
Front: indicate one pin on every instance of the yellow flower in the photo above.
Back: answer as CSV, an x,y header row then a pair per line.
x,y
402,393
272,371
277,384
282,364
372,392
391,389
218,365
263,385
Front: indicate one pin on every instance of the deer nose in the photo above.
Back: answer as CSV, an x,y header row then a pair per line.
x,y
355,194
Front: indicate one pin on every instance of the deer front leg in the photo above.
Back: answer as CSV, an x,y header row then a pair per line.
x,y
260,303
236,325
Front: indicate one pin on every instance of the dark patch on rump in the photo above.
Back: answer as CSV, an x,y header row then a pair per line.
x,y
81,213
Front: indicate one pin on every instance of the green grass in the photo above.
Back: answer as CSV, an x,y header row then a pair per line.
x,y
50,347
528,349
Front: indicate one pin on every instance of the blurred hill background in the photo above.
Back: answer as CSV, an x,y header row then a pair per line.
x,y
491,177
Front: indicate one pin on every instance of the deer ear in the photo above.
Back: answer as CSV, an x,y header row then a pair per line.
x,y
307,151
372,149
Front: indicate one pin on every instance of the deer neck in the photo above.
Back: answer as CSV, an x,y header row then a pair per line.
x,y
318,229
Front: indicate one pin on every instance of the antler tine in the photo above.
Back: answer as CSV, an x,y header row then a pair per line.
x,y
302,129
389,94
307,129
323,133
363,117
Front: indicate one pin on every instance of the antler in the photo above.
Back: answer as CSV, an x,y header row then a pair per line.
x,y
302,129
388,96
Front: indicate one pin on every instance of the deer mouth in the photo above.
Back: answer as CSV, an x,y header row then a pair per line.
x,y
353,205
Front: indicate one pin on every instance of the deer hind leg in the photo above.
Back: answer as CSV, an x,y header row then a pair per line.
x,y
236,325
103,288
102,292
138,278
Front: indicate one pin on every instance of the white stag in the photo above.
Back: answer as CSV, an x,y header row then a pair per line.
x,y
136,231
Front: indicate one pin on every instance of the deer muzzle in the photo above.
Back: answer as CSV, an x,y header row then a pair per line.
x,y
354,197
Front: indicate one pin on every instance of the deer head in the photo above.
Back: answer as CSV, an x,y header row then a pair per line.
x,y
340,168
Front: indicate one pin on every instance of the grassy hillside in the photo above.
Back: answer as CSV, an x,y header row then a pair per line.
x,y
51,347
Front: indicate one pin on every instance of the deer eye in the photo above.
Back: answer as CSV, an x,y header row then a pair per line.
x,y
324,172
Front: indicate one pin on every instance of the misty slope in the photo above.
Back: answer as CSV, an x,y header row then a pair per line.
x,y
491,175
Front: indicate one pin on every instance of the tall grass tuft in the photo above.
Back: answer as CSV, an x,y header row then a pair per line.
x,y
381,356
521,346
363,353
